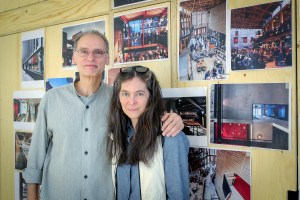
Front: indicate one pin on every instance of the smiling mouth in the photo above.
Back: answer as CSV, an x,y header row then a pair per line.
x,y
133,110
91,66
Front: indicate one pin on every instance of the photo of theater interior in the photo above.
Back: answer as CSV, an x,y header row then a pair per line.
x,y
141,36
219,174
202,49
261,36
192,111
254,115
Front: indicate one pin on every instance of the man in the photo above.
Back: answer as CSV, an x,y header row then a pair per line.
x,y
68,150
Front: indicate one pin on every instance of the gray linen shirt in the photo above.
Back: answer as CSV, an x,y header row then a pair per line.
x,y
68,149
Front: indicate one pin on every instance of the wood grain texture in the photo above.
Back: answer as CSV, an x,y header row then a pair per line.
x,y
14,4
49,13
9,82
273,171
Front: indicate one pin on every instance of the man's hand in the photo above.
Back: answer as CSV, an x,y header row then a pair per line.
x,y
33,191
172,124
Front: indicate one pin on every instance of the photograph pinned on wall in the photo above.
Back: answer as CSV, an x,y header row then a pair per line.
x,y
141,36
26,108
20,187
219,174
190,104
76,76
202,40
112,74
56,82
22,144
70,33
261,36
33,59
121,3
253,115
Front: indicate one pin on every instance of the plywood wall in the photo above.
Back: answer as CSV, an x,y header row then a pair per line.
x,y
273,172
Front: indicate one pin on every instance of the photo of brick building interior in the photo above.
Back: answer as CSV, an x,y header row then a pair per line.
x,y
202,33
254,115
219,174
141,36
261,36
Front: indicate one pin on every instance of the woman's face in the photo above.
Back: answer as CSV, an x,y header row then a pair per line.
x,y
134,96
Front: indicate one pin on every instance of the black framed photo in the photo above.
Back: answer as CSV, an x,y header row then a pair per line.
x,y
119,3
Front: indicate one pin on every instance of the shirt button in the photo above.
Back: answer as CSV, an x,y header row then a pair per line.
x,y
85,176
87,107
86,153
86,129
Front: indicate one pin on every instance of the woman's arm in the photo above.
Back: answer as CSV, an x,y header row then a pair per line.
x,y
176,151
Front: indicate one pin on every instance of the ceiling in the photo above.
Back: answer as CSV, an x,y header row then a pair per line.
x,y
255,17
187,104
200,5
144,14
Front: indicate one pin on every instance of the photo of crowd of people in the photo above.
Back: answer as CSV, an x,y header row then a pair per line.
x,y
261,36
202,49
141,36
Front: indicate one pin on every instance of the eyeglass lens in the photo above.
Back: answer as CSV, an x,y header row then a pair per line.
x,y
139,69
96,52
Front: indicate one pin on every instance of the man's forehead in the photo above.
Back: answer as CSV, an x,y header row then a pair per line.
x,y
89,38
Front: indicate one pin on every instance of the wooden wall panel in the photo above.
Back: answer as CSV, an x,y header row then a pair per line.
x,y
13,4
298,81
49,13
270,169
9,82
273,171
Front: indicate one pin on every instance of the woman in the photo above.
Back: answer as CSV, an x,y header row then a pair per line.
x,y
146,165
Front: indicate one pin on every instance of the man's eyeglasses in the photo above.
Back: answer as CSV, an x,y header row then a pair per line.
x,y
138,69
98,53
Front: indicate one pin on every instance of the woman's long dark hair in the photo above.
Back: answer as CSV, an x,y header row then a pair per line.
x,y
148,127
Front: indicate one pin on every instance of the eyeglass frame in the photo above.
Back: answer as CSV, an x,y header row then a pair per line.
x,y
84,56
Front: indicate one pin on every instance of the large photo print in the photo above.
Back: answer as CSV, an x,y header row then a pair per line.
x,y
254,115
141,36
219,174
261,36
202,40
190,104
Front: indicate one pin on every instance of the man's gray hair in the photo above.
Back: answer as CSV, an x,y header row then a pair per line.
x,y
91,32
